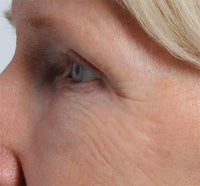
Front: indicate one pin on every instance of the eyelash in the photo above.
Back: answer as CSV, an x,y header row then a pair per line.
x,y
60,73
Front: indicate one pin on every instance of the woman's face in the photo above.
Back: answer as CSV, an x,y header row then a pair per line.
x,y
90,99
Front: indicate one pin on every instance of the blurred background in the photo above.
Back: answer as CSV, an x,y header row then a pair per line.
x,y
7,37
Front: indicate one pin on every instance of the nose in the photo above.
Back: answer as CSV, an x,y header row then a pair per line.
x,y
12,125
10,170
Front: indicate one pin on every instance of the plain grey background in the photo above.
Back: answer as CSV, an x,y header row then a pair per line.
x,y
7,37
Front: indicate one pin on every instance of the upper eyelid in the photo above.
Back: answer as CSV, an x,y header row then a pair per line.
x,y
73,56
58,64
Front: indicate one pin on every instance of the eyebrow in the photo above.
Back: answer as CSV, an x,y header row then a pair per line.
x,y
35,22
39,22
8,16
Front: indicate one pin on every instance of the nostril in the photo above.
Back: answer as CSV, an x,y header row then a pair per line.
x,y
10,170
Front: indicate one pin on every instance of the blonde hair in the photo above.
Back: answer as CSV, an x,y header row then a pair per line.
x,y
175,24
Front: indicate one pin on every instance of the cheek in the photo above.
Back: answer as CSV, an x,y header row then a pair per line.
x,y
97,138
172,127
78,136
92,138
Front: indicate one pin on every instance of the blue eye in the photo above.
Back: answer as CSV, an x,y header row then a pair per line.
x,y
81,74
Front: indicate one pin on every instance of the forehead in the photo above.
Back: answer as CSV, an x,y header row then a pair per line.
x,y
88,17
66,9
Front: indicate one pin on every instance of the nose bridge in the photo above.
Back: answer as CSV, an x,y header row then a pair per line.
x,y
12,111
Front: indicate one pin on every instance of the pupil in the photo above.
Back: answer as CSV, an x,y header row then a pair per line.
x,y
77,69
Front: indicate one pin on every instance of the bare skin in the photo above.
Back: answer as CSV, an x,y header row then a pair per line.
x,y
137,125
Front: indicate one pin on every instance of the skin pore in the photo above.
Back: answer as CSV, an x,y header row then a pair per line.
x,y
137,125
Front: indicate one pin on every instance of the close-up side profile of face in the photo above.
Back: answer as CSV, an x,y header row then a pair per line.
x,y
102,93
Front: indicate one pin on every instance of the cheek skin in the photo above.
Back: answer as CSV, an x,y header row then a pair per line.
x,y
72,136
87,144
82,142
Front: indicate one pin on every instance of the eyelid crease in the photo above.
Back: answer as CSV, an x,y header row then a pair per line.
x,y
76,58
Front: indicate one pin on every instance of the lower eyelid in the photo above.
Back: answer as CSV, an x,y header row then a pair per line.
x,y
82,88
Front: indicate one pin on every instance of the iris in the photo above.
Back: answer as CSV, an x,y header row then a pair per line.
x,y
81,74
